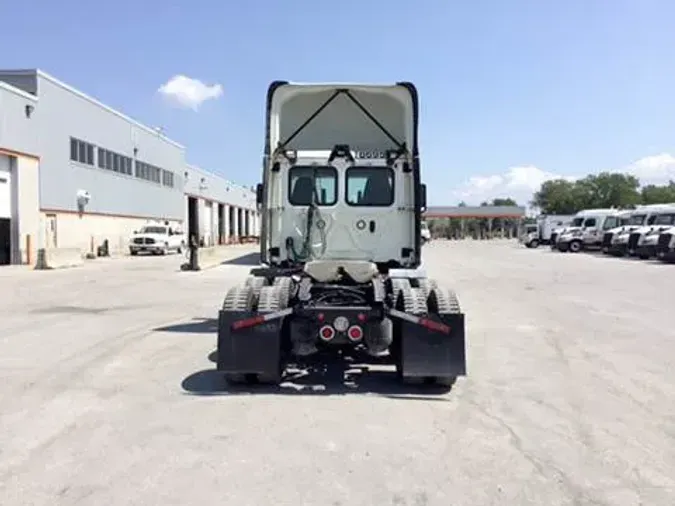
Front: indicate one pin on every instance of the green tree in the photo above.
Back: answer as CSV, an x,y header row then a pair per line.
x,y
602,190
558,196
652,194
504,202
609,189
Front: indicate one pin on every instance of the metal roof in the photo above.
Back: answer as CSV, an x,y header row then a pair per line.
x,y
475,212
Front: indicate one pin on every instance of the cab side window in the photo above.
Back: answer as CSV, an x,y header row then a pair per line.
x,y
590,222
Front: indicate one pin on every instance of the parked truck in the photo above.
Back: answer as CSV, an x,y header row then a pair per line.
x,y
158,238
644,241
543,231
587,229
616,241
341,201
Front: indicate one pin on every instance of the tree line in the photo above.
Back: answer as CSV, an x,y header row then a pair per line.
x,y
561,196
604,190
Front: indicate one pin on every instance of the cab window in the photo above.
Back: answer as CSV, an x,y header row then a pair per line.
x,y
664,219
308,184
370,186
590,222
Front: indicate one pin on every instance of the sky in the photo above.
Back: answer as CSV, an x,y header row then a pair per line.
x,y
511,93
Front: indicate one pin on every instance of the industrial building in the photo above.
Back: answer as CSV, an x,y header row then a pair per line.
x,y
221,210
75,173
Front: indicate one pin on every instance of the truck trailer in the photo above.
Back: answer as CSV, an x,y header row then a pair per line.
x,y
341,203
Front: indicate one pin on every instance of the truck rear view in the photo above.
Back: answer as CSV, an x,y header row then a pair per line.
x,y
341,202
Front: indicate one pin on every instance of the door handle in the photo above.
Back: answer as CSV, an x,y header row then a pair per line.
x,y
372,226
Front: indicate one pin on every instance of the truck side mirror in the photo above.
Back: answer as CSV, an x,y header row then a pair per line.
x,y
423,197
259,194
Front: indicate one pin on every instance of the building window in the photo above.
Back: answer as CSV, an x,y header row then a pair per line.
x,y
101,158
148,172
82,152
167,178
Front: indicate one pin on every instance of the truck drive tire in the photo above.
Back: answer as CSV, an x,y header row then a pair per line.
x,y
575,246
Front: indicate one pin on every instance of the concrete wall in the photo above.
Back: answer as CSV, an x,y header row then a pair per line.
x,y
88,231
26,206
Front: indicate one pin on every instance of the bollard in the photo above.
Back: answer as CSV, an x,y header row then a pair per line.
x,y
193,263
29,250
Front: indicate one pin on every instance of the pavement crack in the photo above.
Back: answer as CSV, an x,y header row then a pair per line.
x,y
545,468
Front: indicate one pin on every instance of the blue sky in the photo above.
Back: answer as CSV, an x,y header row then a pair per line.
x,y
511,92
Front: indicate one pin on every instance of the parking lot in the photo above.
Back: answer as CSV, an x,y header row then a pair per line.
x,y
109,394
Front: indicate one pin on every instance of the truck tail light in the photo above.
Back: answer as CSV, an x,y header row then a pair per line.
x,y
355,333
326,333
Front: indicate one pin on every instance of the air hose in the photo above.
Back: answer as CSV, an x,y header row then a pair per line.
x,y
307,251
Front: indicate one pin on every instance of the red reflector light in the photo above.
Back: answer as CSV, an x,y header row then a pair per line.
x,y
248,322
433,325
327,333
355,333
321,317
361,317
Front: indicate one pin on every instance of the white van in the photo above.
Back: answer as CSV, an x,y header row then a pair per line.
x,y
587,229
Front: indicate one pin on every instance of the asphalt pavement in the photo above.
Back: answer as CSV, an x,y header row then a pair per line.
x,y
109,393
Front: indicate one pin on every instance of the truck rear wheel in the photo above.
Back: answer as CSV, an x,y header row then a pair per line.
x,y
421,300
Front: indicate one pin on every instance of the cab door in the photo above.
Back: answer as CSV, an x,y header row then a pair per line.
x,y
591,232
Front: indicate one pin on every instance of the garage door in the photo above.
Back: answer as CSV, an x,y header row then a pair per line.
x,y
5,188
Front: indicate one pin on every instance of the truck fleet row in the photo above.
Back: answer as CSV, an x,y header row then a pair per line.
x,y
646,232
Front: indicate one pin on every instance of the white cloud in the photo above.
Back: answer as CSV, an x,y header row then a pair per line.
x,y
655,169
521,182
187,92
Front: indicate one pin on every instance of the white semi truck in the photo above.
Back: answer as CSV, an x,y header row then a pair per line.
x,y
616,241
587,229
644,241
341,200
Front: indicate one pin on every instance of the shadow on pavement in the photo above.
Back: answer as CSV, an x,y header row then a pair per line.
x,y
196,326
335,377
248,259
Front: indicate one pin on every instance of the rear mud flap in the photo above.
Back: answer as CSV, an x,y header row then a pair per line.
x,y
255,350
429,353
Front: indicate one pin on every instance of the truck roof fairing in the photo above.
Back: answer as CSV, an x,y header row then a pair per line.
x,y
364,116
